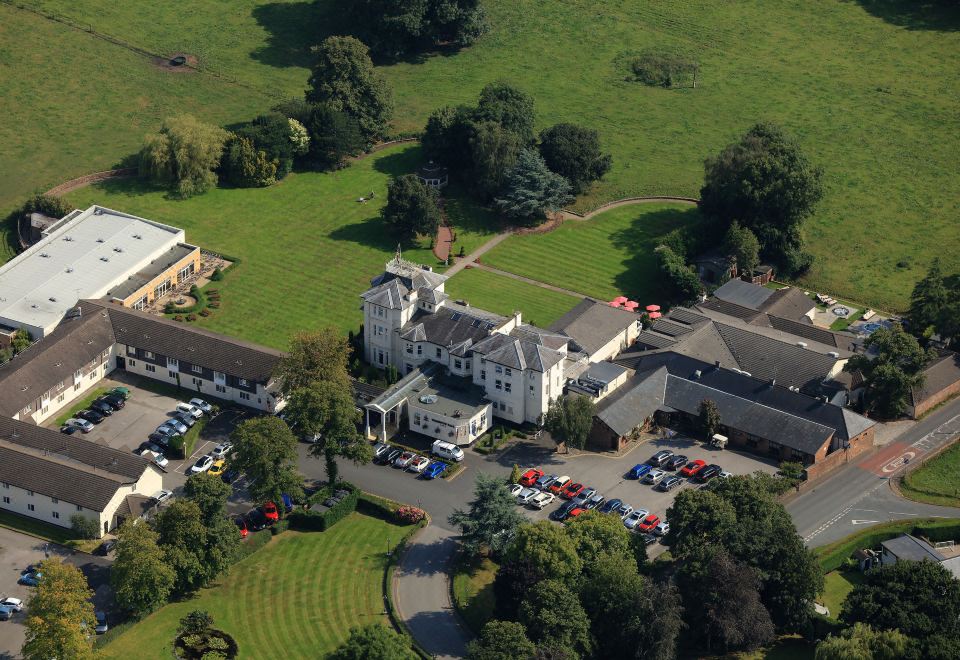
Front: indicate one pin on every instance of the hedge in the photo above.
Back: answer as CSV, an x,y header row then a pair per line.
x,y
834,555
316,521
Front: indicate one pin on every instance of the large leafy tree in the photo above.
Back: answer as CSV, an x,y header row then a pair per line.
x,y
515,577
210,495
861,642
552,615
334,136
491,519
531,190
266,451
569,419
394,28
892,370
273,134
501,640
344,77
918,598
697,518
927,301
183,155
411,208
374,641
59,615
550,549
182,536
596,534
682,282
313,357
742,244
574,153
140,576
246,166
508,106
493,151
766,182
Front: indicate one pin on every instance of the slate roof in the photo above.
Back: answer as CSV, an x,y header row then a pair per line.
x,y
409,274
190,344
841,340
789,303
73,344
728,308
516,353
540,336
941,373
634,402
391,294
447,327
747,301
911,548
741,293
591,324
431,295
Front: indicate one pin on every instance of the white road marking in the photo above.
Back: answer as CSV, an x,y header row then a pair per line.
x,y
899,462
863,522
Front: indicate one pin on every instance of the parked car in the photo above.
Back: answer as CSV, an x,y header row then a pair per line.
x,y
81,424
584,496
662,528
543,500
544,482
218,468
404,460
270,511
634,518
91,416
649,523
176,425
691,468
574,512
660,457
675,462
526,495
380,449
102,407
30,579
595,501
669,483
14,604
654,477
121,391
242,526
648,538
571,490
447,450
102,626
725,475
69,430
392,455
560,514
182,406
156,457
161,496
229,476
434,470
419,464
639,470
624,510
115,400
105,548
185,418
202,405
147,447
287,502
558,484
530,477
160,439
5,613
256,520
611,505
221,450
203,464
514,489
168,431
708,473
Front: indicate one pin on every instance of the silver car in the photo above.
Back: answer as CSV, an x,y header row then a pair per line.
x,y
526,495
654,477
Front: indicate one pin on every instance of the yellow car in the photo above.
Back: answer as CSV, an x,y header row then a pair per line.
x,y
218,467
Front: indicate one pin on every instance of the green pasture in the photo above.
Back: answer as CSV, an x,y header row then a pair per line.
x,y
503,295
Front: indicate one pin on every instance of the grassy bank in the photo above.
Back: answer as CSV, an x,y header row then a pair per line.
x,y
473,590
937,482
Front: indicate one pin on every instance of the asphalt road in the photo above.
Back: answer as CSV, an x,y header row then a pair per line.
x,y
859,494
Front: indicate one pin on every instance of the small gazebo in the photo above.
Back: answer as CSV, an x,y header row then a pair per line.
x,y
433,175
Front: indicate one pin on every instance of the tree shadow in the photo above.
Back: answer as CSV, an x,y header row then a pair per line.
x,y
398,163
370,233
935,15
293,28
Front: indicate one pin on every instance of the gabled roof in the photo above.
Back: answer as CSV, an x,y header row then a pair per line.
x,y
592,324
448,327
747,301
634,402
535,335
390,294
432,296
516,353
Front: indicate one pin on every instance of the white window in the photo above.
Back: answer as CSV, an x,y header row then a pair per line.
x,y
439,353
243,382
509,371
221,389
60,385
6,500
56,515
54,500
380,357
79,508
76,388
141,304
5,485
483,374
498,369
416,419
30,493
151,368
172,374
185,272
196,368
419,349
458,364
172,363
197,381
503,406
380,312
531,390
132,363
61,398
30,507
499,384
506,387
78,374
245,396
410,349
148,355
28,409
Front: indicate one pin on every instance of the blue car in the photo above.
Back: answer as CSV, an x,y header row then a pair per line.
x,y
639,470
30,579
611,505
434,470
287,502
5,612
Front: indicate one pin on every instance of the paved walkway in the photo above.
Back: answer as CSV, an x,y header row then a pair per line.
x,y
421,593
476,254
572,215
521,278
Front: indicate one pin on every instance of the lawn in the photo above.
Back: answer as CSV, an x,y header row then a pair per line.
x,y
836,586
296,598
82,404
473,591
937,482
502,295
609,255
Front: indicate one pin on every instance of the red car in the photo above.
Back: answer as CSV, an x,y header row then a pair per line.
x,y
571,490
270,511
530,477
691,468
557,486
575,512
242,524
649,523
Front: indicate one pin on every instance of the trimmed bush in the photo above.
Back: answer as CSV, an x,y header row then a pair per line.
x,y
177,447
317,521
217,275
410,515
280,527
85,528
948,531
191,317
204,312
378,507
178,317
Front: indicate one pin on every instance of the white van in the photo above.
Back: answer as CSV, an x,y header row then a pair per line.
x,y
447,450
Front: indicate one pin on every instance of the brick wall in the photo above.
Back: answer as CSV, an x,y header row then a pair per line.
x,y
828,462
949,391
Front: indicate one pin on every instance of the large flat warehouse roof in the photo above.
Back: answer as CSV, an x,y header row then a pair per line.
x,y
85,255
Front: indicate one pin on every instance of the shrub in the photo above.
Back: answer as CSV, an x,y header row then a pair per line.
x,y
183,154
191,317
204,312
317,521
178,317
216,276
664,69
85,528
410,515
214,304
177,447
279,527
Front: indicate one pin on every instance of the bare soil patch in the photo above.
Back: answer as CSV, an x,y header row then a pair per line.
x,y
177,63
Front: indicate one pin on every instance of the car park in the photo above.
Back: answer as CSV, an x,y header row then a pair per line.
x,y
121,391
558,484
202,405
649,523
203,464
14,604
404,460
654,477
447,450
648,538
708,473
241,525
634,518
221,450
624,510
91,416
571,490
724,475
560,514
595,501
419,464
514,490
161,496
575,511
69,430
584,496
147,447
101,626
526,495
692,468
218,468
81,424
186,419
543,500
190,408
611,505
102,407
639,470
662,529
5,613
434,470
168,431
544,482
530,477
30,578
270,511
669,483
675,462
660,457
159,439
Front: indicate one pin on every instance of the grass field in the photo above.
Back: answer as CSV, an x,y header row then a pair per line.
x,y
473,591
295,598
867,86
836,586
937,482
502,295
606,256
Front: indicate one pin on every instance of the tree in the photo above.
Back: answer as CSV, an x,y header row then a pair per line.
x,y
299,137
374,641
457,22
140,577
446,137
742,244
273,134
861,642
573,152
210,495
766,182
411,208
313,357
709,415
697,518
21,341
84,527
683,283
569,419
59,615
245,166
918,598
515,474
892,370
596,534
183,155
344,77
501,640
182,537
266,451
508,106
393,29
492,517
549,548
493,151
531,190
195,622
553,616
927,302
334,136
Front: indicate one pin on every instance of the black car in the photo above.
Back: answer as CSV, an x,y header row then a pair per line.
x,y
561,514
660,458
69,430
102,407
256,520
116,401
675,462
159,439
392,456
229,476
91,416
186,419
708,473
149,446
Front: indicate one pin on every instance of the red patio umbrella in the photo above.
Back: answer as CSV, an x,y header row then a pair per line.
x,y
631,305
653,308
655,315
620,300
